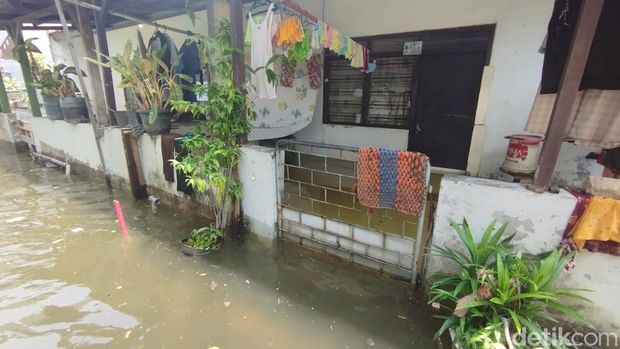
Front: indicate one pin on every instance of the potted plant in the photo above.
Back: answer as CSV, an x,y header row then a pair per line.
x,y
201,241
152,81
496,292
213,149
55,83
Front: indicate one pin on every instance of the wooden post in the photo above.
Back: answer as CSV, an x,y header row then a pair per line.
x,y
5,106
567,91
85,27
102,40
236,36
15,32
98,132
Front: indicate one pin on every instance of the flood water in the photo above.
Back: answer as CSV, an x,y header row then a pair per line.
x,y
68,279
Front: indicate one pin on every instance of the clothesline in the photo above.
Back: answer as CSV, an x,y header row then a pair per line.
x,y
297,43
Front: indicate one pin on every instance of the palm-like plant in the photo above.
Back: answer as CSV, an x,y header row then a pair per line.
x,y
55,81
498,291
153,82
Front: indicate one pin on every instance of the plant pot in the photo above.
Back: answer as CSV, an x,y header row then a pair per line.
x,y
134,119
190,251
122,118
162,123
74,109
51,104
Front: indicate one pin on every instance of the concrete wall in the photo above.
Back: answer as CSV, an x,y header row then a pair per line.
x,y
521,27
257,169
539,221
7,130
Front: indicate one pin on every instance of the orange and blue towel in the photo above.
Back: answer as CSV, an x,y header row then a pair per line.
x,y
392,179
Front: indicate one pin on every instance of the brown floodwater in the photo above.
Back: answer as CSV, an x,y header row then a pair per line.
x,y
68,279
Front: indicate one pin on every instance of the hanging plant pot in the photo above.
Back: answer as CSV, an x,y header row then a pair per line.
x,y
162,123
190,251
74,109
51,104
122,118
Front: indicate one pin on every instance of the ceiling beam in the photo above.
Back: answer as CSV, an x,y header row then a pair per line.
x,y
30,17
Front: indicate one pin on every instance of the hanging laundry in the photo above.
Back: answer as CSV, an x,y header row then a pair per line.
x,y
392,179
289,32
190,66
300,51
349,52
287,74
324,35
344,42
329,36
315,42
275,23
261,49
163,46
357,57
314,71
336,41
599,222
602,69
594,120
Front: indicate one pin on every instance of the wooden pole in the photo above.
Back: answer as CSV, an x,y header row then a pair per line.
x,y
569,85
98,132
5,105
85,27
22,57
102,39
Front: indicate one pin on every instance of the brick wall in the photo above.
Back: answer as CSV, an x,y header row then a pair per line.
x,y
321,211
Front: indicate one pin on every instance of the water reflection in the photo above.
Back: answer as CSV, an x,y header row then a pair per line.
x,y
67,279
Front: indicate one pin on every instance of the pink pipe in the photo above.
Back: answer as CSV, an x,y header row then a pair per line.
x,y
121,218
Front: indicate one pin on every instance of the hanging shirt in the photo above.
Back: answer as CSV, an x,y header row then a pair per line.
x,y
290,32
261,50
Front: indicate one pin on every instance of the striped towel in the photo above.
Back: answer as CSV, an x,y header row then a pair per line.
x,y
392,179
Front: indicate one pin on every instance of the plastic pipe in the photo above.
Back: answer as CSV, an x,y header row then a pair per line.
x,y
121,218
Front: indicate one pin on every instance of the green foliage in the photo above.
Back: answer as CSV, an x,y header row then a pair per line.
x,y
153,82
56,81
497,291
213,148
10,84
205,238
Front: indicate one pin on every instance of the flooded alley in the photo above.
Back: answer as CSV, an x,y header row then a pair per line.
x,y
68,279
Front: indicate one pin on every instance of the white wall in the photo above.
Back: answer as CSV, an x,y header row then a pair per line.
x,y
257,170
76,142
539,221
520,29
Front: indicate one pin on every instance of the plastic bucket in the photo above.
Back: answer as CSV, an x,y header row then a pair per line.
x,y
51,105
522,154
74,109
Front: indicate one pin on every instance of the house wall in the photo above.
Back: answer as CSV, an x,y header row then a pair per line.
x,y
539,221
520,29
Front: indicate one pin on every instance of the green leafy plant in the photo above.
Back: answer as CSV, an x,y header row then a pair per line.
x,y
497,292
10,84
56,81
213,148
153,82
205,238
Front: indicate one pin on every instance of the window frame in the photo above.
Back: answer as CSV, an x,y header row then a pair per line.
x,y
425,35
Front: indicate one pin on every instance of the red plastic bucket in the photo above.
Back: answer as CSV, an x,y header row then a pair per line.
x,y
522,154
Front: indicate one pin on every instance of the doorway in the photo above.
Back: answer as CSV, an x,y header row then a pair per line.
x,y
448,83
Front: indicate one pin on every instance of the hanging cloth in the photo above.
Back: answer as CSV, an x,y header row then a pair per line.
x,y
261,49
600,222
290,32
392,179
602,69
594,120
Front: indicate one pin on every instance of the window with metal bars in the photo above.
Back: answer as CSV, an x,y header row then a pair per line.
x,y
383,98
